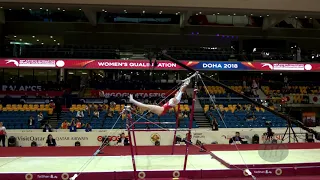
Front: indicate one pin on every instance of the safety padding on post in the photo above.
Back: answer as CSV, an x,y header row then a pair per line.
x,y
65,176
278,171
176,174
141,175
28,176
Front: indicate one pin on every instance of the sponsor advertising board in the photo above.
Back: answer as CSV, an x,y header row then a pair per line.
x,y
63,138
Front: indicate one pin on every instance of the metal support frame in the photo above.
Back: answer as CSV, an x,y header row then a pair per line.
x,y
288,119
129,124
190,124
175,132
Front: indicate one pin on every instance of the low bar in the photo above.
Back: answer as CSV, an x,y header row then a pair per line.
x,y
155,123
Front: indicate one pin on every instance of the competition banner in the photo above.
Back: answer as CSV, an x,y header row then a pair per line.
x,y
161,65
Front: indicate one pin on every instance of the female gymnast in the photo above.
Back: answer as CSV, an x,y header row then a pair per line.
x,y
161,110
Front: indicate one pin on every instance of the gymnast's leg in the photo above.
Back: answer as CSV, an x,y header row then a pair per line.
x,y
152,108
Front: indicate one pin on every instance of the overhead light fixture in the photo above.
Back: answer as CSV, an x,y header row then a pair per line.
x,y
37,40
33,36
251,14
9,9
41,8
310,18
54,40
267,15
102,10
260,16
160,12
245,15
218,13
143,12
80,9
58,44
47,10
228,14
22,8
305,16
51,37
234,14
296,17
200,12
64,10
30,9
14,36
176,13
20,39
42,43
58,9
196,14
1,7
213,14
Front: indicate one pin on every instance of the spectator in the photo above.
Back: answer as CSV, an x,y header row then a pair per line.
x,y
96,113
50,141
236,139
3,134
80,114
91,109
73,127
88,128
52,104
78,124
31,121
47,127
40,117
123,141
238,107
214,124
64,125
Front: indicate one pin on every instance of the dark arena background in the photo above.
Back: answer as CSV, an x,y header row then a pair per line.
x,y
128,90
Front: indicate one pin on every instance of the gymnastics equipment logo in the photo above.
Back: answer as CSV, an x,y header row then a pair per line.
x,y
155,137
273,152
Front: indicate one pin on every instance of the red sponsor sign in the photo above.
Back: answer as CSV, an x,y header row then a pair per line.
x,y
136,93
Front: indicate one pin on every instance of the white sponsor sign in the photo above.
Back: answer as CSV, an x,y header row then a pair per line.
x,y
20,88
35,63
288,67
222,136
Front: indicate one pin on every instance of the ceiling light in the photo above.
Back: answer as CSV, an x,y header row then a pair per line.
x,y
260,16
267,15
80,9
30,9
176,13
200,12
251,14
1,7
143,11
218,13
310,18
37,40
9,9
213,14
296,17
124,10
64,10
41,8
58,44
102,10
196,14
58,9
305,17
33,36
228,14
42,43
245,15
234,14
14,36
47,10
54,40
20,39
51,37
160,12
22,8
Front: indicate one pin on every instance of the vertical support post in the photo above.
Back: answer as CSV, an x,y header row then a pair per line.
x,y
175,131
134,136
190,123
129,119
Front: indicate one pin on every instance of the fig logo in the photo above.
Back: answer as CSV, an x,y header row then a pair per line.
x,y
15,62
60,63
268,65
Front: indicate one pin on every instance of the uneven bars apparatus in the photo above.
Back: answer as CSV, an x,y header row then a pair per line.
x,y
288,119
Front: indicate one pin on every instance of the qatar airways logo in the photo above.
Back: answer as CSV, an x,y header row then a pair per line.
x,y
288,67
36,63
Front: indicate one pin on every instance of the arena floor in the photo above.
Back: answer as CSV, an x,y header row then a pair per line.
x,y
155,162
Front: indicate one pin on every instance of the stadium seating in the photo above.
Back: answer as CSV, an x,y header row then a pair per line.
x,y
104,122
19,119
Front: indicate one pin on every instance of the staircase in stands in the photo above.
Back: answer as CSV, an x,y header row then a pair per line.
x,y
199,115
